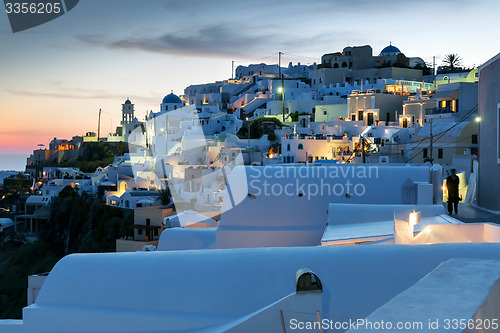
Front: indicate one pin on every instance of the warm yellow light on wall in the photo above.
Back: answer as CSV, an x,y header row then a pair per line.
x,y
454,105
414,218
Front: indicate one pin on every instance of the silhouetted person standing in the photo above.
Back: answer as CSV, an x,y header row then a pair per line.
x,y
452,182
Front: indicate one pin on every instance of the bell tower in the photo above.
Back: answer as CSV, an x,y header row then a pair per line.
x,y
127,112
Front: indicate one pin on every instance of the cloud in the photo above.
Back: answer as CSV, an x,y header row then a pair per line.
x,y
223,41
83,94
264,28
218,40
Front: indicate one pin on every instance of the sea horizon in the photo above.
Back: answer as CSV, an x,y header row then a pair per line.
x,y
13,162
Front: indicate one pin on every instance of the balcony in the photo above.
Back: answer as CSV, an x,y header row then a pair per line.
x,y
438,110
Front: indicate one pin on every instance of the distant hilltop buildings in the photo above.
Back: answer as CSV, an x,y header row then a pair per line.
x,y
353,107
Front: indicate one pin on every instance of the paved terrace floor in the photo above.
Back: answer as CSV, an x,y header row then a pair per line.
x,y
470,214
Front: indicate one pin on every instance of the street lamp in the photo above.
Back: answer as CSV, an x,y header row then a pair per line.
x,y
281,90
248,134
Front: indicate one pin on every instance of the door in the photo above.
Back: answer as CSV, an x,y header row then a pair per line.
x,y
369,120
405,122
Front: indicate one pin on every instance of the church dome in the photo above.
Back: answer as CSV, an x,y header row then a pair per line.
x,y
389,50
128,101
172,98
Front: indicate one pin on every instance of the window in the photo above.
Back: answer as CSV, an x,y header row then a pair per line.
x,y
127,204
148,221
324,113
139,231
424,153
440,153
300,146
402,153
360,115
288,147
474,139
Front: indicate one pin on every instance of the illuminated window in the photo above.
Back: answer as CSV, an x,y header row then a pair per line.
x,y
443,104
454,105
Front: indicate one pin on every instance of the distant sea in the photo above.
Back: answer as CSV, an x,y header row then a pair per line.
x,y
5,174
15,162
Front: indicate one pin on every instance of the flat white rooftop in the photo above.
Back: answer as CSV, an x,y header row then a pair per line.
x,y
371,231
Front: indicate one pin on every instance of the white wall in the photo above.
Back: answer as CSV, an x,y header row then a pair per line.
x,y
93,293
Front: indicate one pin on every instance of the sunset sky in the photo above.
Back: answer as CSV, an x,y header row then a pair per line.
x,y
54,78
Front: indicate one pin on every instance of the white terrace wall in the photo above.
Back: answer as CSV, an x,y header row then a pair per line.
x,y
287,205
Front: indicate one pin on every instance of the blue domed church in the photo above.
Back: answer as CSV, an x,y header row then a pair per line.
x,y
391,55
171,102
